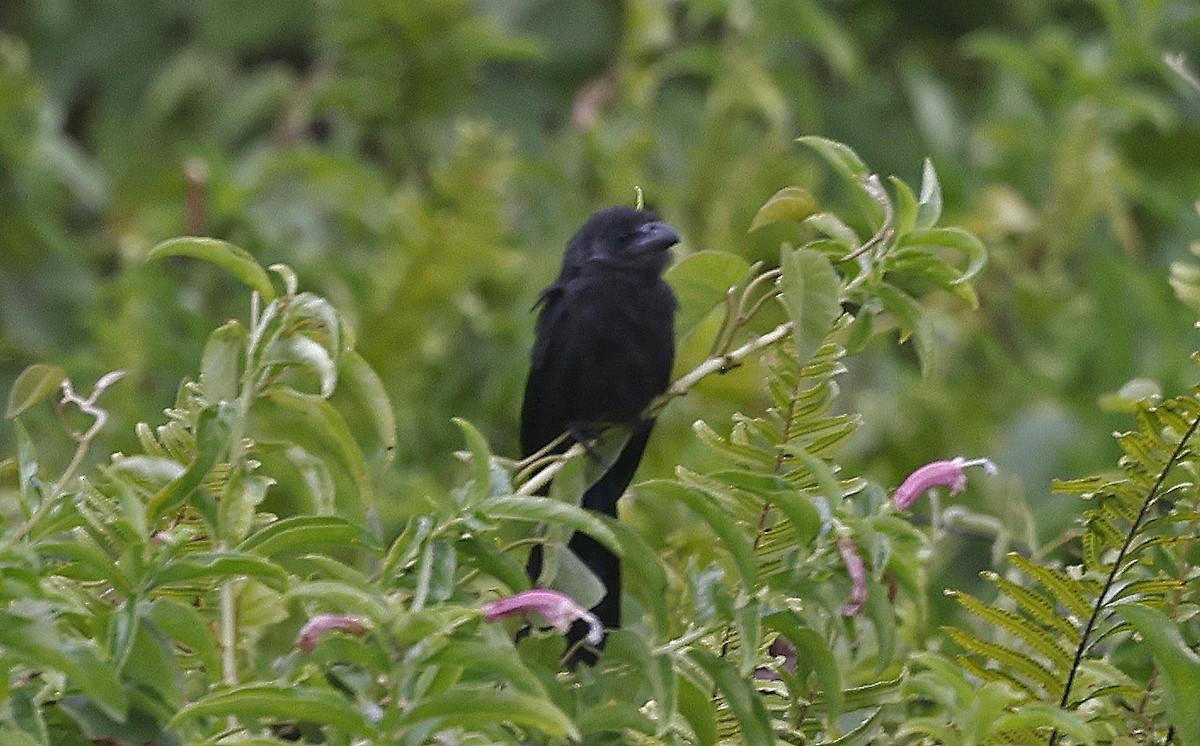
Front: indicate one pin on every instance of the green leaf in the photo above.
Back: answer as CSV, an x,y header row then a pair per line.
x,y
739,692
360,379
83,560
346,598
700,283
1013,662
481,461
843,159
731,535
1030,716
233,259
279,703
809,290
646,579
931,198
36,383
790,203
1178,663
324,421
906,205
40,644
838,232
215,567
189,627
139,727
482,554
955,239
813,652
308,533
469,708
697,707
307,353
536,508
219,363
212,441
239,502
497,660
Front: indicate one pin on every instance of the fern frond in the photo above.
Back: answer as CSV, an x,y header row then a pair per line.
x,y
1074,594
1036,606
1052,656
1032,673
1036,637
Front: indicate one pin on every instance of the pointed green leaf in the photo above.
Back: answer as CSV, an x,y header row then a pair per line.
x,y
790,203
469,708
536,508
840,156
278,702
955,239
732,537
39,643
906,205
307,532
321,419
481,461
1178,663
809,290
189,627
698,709
36,383
646,579
739,692
812,652
215,567
219,363
233,259
931,198
361,380
1030,716
346,598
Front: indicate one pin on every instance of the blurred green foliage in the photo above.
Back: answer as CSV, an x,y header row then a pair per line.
x,y
421,164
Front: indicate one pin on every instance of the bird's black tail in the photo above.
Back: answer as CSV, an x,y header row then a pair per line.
x,y
606,566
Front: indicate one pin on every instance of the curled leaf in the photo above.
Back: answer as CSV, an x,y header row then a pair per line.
x,y
36,383
790,203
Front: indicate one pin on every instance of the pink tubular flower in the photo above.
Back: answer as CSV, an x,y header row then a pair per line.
x,y
316,628
858,576
558,609
937,474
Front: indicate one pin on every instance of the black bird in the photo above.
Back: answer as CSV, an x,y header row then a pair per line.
x,y
604,349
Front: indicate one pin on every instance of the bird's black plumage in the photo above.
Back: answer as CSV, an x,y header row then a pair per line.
x,y
604,349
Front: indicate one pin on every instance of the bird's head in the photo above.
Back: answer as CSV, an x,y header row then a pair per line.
x,y
621,239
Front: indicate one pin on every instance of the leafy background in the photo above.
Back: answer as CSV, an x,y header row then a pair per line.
x,y
422,163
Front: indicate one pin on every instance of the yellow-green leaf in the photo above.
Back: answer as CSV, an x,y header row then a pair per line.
x,y
790,203
233,259
36,383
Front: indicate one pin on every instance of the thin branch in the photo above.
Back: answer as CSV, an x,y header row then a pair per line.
x,y
716,364
719,364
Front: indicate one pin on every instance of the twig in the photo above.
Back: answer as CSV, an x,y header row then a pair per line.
x,y
681,386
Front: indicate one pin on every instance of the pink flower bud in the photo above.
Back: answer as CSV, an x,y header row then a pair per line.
x,y
557,608
937,474
316,628
858,576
